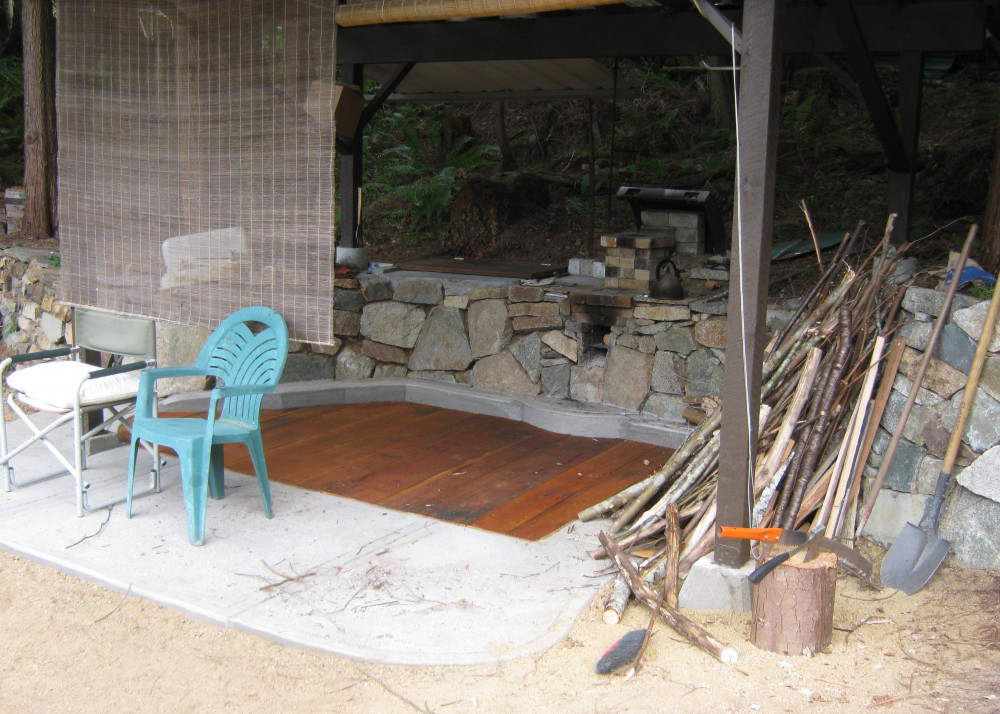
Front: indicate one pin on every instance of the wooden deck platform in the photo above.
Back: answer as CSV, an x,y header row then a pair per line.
x,y
487,472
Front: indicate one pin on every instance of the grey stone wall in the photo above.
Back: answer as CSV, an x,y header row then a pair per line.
x,y
970,517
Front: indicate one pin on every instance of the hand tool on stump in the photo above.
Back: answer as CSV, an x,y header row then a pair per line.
x,y
847,556
810,542
919,551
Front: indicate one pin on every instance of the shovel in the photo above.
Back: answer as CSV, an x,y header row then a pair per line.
x,y
919,551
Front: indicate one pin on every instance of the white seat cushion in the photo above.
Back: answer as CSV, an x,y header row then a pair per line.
x,y
55,384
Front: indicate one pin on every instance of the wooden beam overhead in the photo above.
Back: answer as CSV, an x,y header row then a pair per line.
x,y
867,79
889,28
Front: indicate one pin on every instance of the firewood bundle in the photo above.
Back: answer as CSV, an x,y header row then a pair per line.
x,y
826,379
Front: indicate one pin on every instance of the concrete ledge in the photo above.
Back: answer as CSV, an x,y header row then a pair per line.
x,y
715,587
561,416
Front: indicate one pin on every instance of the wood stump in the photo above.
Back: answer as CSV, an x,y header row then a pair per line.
x,y
792,611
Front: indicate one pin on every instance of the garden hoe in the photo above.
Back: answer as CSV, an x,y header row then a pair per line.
x,y
919,551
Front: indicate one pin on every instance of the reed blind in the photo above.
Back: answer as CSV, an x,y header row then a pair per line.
x,y
193,178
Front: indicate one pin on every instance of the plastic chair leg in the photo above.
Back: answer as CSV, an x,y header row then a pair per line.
x,y
217,473
256,447
194,483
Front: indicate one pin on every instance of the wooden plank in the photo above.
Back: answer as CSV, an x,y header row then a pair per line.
x,y
503,475
494,268
564,484
446,464
609,480
416,461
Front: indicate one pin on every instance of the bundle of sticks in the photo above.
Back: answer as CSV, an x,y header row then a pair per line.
x,y
827,376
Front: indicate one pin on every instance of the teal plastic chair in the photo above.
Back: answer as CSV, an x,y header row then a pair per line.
x,y
247,363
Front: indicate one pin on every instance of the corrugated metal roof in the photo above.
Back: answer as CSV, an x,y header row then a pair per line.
x,y
509,80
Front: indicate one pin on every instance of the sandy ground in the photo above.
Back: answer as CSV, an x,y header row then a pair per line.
x,y
75,646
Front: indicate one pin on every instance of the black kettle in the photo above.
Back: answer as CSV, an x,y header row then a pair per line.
x,y
667,285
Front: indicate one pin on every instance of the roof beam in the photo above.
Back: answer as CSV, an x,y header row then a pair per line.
x,y
864,74
956,26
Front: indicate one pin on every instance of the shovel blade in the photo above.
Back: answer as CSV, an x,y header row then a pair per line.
x,y
913,559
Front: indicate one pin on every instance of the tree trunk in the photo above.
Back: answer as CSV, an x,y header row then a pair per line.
x,y
990,257
38,39
507,160
793,606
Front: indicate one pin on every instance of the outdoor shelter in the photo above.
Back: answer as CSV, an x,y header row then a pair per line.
x,y
229,77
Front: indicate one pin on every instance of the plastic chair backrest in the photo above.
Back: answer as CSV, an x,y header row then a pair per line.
x,y
238,356
114,334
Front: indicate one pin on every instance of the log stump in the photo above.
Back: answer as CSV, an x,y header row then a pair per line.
x,y
792,610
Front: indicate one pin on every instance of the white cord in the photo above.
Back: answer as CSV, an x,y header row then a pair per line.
x,y
742,290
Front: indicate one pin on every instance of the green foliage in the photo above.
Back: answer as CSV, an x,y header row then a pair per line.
x,y
982,291
407,174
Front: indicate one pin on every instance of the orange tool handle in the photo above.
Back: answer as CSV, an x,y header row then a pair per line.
x,y
770,535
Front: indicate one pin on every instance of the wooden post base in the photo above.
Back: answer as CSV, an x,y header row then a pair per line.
x,y
792,611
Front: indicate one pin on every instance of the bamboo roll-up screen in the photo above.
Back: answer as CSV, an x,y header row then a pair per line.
x,y
371,12
192,181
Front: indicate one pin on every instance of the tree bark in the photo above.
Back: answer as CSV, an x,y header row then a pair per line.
x,y
38,39
793,606
990,257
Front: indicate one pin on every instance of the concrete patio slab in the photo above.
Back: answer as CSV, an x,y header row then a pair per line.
x,y
327,573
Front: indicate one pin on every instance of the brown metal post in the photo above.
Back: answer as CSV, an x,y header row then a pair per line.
x,y
759,101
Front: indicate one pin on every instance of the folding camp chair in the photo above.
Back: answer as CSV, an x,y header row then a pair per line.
x,y
61,383
246,355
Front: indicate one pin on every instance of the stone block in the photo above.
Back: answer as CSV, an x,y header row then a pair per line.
x,y
490,328
384,353
711,332
971,523
389,371
503,373
533,309
972,321
346,324
376,289
351,300
526,293
956,348
443,343
677,339
178,345
892,511
626,378
704,375
392,323
555,380
664,406
662,312
52,327
351,364
457,301
982,476
527,350
420,291
530,324
561,343
668,373
983,427
930,301
487,292
902,472
305,367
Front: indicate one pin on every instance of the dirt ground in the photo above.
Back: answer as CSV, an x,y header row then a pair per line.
x,y
75,646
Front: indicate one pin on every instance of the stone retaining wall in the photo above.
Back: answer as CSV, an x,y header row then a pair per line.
x,y
970,517
590,344
605,346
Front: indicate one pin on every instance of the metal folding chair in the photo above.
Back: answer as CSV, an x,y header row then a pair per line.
x,y
59,382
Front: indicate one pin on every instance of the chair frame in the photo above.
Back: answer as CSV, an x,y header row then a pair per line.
x,y
119,409
232,352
